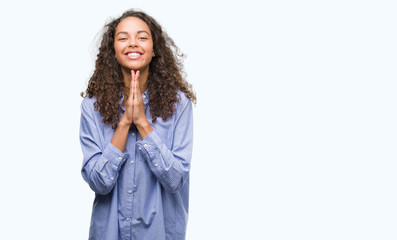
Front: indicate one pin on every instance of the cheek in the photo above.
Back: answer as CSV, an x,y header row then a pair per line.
x,y
149,47
119,47
117,52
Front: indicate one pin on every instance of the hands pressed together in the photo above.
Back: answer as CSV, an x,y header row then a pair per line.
x,y
134,107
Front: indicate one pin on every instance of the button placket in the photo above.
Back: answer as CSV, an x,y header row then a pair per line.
x,y
130,174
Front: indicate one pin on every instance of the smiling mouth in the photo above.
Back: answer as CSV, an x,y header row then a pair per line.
x,y
134,55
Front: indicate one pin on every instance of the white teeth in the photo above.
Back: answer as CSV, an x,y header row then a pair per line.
x,y
133,54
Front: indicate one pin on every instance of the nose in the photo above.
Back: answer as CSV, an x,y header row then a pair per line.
x,y
132,43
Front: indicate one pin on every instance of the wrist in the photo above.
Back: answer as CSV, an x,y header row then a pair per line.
x,y
144,128
142,124
124,123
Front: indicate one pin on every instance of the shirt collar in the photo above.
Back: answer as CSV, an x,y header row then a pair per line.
x,y
145,97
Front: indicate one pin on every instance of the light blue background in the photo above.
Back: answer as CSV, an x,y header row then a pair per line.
x,y
295,126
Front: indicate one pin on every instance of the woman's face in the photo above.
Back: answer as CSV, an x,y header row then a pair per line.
x,y
133,45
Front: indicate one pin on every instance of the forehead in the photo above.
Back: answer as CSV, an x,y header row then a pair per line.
x,y
132,25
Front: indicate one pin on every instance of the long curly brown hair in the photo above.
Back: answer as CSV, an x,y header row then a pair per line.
x,y
166,75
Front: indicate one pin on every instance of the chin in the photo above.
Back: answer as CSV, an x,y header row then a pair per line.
x,y
129,68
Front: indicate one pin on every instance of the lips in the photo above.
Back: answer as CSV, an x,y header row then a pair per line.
x,y
133,55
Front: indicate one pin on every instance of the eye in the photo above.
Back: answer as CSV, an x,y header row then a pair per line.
x,y
142,38
122,39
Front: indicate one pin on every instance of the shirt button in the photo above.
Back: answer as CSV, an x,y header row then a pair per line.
x,y
132,161
133,133
144,96
112,178
127,219
145,145
156,164
129,191
140,148
120,158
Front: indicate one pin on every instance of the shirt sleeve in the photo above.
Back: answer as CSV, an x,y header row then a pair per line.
x,y
171,166
101,162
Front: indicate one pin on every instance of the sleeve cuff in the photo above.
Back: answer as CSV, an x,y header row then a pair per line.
x,y
114,156
152,140
152,145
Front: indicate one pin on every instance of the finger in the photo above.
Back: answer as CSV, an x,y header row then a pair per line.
x,y
132,83
134,88
137,75
138,90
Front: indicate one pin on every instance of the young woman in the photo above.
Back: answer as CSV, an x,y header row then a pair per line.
x,y
136,133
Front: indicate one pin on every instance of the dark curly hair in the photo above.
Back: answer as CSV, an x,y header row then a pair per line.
x,y
166,75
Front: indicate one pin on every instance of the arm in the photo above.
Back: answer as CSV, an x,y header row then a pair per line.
x,y
102,161
171,166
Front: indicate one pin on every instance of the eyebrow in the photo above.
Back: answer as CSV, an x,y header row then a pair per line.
x,y
140,31
143,31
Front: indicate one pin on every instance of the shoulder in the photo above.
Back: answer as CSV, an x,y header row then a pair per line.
x,y
87,101
87,105
183,101
183,106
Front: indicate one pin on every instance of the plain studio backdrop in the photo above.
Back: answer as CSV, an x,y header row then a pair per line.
x,y
295,126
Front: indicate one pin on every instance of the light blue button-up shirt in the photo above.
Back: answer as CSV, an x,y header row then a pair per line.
x,y
143,192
